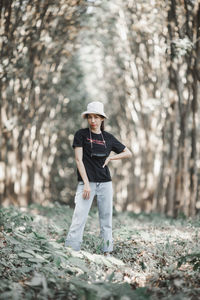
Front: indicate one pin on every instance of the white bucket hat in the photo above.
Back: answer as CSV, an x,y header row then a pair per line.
x,y
94,108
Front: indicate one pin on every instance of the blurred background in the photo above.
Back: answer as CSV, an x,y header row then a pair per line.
x,y
141,59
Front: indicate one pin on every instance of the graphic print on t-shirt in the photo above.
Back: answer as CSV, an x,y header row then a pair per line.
x,y
96,141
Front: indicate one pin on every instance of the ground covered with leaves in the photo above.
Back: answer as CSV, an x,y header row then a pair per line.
x,y
154,257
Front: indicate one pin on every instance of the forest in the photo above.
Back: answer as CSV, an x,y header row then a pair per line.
x,y
141,59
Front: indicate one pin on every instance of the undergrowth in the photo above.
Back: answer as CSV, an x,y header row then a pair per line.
x,y
154,257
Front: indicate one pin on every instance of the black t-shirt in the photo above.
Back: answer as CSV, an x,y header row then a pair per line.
x,y
94,165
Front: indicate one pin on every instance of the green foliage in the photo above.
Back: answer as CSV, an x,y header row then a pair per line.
x,y
109,290
59,55
192,258
35,264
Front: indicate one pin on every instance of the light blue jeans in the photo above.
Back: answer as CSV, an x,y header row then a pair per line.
x,y
104,193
